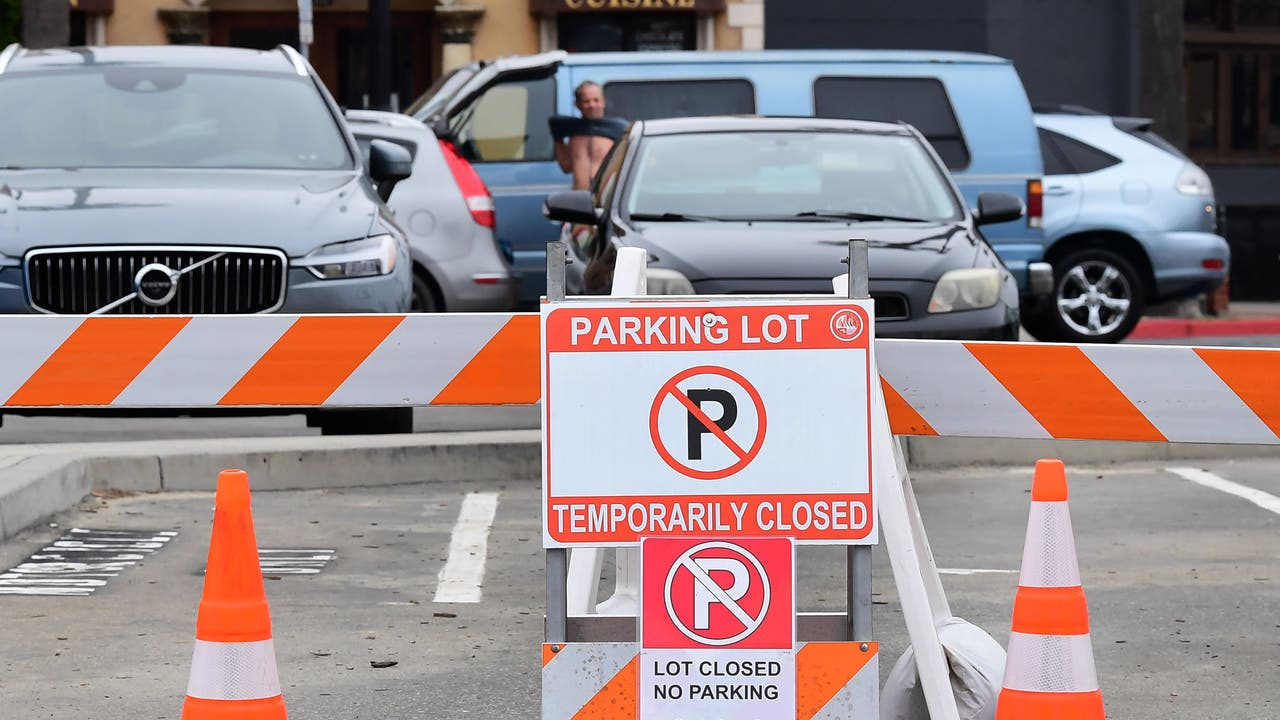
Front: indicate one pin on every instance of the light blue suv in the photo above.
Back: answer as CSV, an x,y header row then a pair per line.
x,y
1129,222
972,108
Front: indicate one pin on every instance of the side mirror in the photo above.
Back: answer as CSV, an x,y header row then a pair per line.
x,y
389,163
574,206
998,207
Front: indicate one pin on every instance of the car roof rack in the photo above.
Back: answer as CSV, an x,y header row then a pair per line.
x,y
8,54
295,59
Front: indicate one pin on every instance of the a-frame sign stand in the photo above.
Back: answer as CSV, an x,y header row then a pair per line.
x,y
828,668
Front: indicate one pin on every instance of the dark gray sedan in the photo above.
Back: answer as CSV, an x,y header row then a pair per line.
x,y
729,205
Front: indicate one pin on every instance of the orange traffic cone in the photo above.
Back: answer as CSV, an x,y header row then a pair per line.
x,y
1049,673
233,668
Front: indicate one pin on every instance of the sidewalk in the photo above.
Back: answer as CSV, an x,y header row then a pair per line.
x,y
1241,318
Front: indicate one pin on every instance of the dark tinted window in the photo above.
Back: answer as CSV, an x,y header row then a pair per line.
x,y
922,102
679,98
1054,162
1079,158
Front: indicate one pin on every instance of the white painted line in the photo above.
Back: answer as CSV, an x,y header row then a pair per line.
x,y
1264,500
974,571
463,573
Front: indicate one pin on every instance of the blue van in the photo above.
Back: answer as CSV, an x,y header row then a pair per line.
x,y
972,108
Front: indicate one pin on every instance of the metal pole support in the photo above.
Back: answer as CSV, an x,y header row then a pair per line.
x,y
858,557
557,558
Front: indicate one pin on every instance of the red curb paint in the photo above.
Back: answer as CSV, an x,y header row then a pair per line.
x,y
1160,328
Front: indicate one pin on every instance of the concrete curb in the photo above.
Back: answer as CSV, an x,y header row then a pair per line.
x,y
47,479
39,481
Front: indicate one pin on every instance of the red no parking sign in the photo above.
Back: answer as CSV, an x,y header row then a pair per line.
x,y
717,628
707,593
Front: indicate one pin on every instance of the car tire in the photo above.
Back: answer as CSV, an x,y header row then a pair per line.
x,y
424,297
1098,297
364,421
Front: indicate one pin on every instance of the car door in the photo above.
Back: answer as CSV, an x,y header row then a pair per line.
x,y
1063,189
500,126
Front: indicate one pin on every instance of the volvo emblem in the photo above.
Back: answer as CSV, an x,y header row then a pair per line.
x,y
156,284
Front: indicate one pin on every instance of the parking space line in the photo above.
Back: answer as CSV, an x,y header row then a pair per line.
x,y
1264,500
463,573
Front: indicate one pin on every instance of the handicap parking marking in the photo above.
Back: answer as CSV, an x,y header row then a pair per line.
x,y
81,561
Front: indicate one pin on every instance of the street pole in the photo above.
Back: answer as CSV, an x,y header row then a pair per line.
x,y
306,31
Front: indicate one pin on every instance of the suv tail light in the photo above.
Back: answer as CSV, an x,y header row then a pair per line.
x,y
1035,204
474,192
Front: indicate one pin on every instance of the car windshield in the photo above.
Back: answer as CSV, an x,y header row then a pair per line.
x,y
148,116
774,175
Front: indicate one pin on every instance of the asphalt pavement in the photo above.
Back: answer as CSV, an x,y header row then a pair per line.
x,y
1181,581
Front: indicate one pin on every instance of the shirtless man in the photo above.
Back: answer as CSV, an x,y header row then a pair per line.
x,y
582,154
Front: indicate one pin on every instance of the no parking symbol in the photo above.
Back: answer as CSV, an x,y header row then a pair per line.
x,y
704,593
708,422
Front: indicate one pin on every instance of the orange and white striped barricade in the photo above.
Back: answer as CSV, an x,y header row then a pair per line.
x,y
932,387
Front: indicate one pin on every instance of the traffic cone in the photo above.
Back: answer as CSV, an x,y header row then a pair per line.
x,y
233,667
1049,673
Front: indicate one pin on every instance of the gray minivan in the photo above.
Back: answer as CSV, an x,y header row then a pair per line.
x,y
971,107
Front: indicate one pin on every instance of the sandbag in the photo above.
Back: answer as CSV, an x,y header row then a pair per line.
x,y
976,663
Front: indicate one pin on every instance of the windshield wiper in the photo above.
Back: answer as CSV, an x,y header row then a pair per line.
x,y
857,216
672,217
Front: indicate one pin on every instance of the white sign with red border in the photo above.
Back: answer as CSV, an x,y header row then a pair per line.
x,y
723,417
717,628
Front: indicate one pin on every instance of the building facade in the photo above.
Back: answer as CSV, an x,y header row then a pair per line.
x,y
428,36
1206,71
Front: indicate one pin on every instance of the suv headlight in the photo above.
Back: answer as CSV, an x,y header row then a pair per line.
x,y
6,261
661,281
1193,181
967,289
352,259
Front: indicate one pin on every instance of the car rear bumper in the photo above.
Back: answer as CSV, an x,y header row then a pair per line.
x,y
1178,262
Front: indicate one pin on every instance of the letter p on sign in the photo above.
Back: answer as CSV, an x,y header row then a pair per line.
x,y
705,593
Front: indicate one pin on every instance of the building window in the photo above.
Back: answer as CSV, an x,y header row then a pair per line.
x,y
1232,69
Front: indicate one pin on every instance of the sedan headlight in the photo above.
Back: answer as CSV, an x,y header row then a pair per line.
x,y
356,258
967,289
661,281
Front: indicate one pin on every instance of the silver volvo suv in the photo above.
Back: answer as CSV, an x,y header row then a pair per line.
x,y
189,180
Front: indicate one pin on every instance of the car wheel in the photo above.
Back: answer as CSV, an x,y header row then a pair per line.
x,y
1097,298
424,298
364,421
